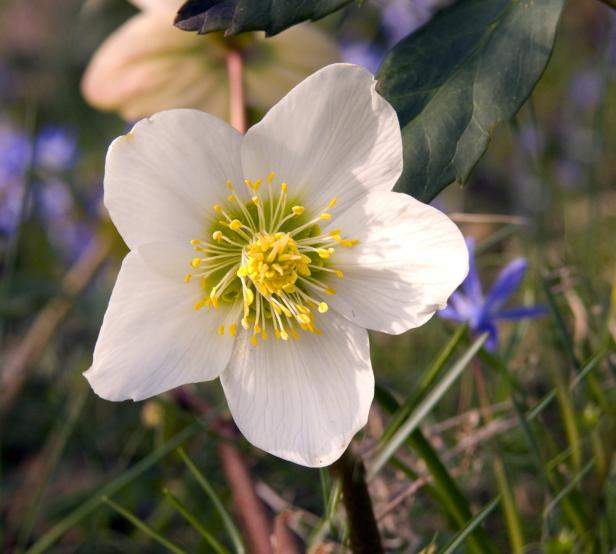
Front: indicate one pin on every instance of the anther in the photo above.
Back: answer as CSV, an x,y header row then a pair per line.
x,y
235,224
221,330
217,235
298,210
325,216
323,307
187,278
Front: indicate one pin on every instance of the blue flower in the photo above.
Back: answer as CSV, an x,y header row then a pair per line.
x,y
361,53
402,17
55,148
482,313
15,153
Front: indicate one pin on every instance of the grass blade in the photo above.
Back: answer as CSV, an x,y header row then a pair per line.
x,y
470,527
144,527
194,523
426,381
443,488
568,488
87,507
424,408
232,530
512,517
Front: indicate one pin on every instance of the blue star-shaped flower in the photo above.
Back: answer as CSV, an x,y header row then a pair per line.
x,y
482,313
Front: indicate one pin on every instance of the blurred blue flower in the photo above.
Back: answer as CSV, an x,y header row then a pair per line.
x,y
531,138
55,148
362,53
586,88
67,232
15,152
402,17
53,151
482,313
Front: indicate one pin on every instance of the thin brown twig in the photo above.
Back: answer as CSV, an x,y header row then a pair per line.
x,y
20,361
248,507
283,539
255,522
400,497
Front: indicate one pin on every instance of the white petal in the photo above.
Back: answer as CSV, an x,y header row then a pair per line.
x,y
302,400
332,135
162,179
147,66
409,259
167,6
152,339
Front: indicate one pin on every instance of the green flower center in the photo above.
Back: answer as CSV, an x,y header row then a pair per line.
x,y
270,255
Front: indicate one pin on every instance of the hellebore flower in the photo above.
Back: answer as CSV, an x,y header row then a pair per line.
x,y
262,259
148,65
482,313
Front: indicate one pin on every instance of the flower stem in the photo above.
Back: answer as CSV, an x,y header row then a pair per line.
x,y
363,530
237,103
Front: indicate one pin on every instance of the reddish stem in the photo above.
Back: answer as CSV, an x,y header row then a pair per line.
x,y
237,102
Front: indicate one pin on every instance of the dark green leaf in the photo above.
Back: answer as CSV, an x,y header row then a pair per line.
x,y
238,16
455,79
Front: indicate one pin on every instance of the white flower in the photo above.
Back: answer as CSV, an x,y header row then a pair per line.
x,y
262,259
148,65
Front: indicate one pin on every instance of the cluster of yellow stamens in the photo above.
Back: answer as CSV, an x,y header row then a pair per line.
x,y
268,253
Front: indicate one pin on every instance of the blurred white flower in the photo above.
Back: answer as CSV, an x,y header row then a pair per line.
x,y
264,258
148,65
